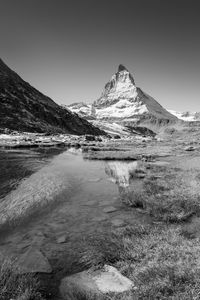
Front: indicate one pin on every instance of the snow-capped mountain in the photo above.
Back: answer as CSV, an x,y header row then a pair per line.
x,y
186,116
122,100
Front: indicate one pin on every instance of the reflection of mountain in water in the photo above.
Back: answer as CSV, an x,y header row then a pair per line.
x,y
121,172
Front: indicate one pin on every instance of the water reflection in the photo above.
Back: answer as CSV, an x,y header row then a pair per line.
x,y
121,172
15,165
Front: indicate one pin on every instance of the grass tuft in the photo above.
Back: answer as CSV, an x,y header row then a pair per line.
x,y
15,286
174,198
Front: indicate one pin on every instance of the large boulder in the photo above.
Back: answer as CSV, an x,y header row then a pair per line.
x,y
92,283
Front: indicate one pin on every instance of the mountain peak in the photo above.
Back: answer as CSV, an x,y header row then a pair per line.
x,y
122,68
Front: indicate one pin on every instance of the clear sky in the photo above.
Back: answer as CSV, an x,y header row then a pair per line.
x,y
69,49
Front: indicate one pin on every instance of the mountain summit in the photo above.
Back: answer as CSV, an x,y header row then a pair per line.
x,y
121,101
24,108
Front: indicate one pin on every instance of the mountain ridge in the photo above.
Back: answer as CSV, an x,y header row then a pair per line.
x,y
24,108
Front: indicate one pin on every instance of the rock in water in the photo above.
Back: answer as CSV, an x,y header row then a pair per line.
x,y
106,280
33,261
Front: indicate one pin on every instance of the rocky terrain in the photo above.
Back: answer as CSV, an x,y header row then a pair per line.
x,y
24,108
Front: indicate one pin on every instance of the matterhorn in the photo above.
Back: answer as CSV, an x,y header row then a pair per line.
x,y
124,103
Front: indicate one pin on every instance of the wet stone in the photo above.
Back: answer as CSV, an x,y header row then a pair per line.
x,y
33,261
109,209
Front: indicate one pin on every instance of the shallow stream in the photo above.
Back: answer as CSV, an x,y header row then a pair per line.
x,y
72,199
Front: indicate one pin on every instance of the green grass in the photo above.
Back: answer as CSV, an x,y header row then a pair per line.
x,y
161,262
174,197
15,286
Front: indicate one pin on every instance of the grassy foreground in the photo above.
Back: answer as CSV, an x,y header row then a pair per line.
x,y
169,194
17,287
161,262
161,259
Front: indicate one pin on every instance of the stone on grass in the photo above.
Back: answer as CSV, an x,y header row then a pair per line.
x,y
99,282
33,261
61,239
109,209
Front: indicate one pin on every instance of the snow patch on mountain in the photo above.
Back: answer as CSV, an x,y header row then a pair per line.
x,y
82,109
111,128
121,109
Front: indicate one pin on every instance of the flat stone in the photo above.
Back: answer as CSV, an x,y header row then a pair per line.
x,y
33,261
117,222
61,239
109,209
106,280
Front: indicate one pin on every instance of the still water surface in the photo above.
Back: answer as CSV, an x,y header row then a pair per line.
x,y
70,197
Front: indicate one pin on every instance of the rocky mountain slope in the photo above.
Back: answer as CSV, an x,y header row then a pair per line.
x,y
123,102
24,108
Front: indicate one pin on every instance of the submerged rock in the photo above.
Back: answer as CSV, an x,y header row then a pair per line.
x,y
33,261
106,280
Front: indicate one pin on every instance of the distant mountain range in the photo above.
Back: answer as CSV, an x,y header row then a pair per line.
x,y
186,116
24,108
